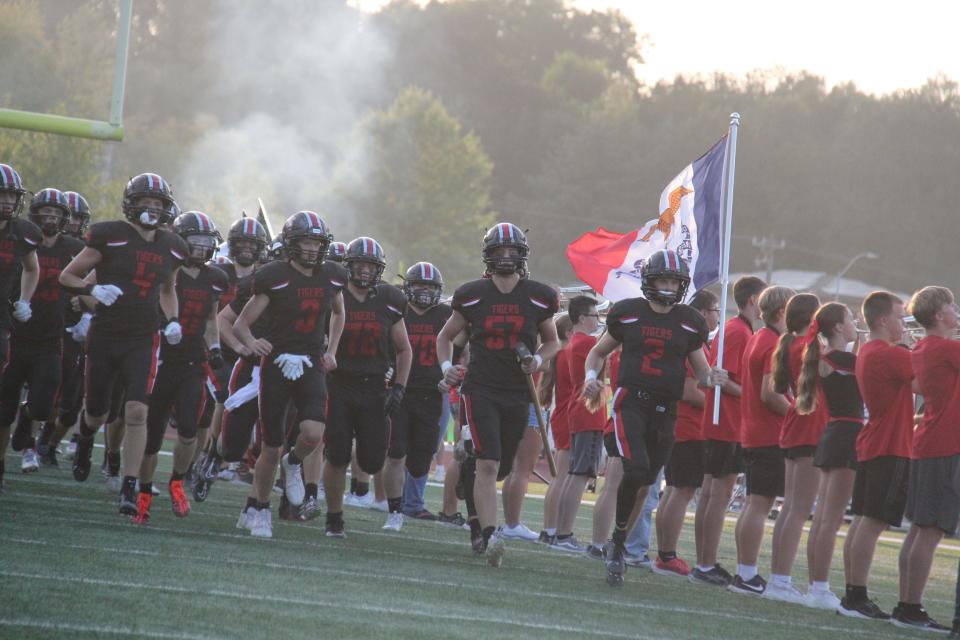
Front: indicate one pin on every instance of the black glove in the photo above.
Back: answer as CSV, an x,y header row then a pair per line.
x,y
215,358
394,398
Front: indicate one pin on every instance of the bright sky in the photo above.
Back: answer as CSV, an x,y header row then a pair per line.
x,y
870,43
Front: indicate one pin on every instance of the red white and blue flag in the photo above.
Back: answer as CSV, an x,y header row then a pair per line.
x,y
691,210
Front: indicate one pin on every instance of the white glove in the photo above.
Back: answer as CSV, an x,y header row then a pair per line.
x,y
106,294
79,331
172,332
292,365
22,311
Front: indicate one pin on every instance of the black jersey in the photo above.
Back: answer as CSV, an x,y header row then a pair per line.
x,y
423,330
139,268
655,345
496,323
17,239
197,297
840,387
365,347
50,302
233,280
298,304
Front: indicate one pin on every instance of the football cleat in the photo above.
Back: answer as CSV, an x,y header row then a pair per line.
x,y
262,526
127,502
143,508
616,566
181,506
81,459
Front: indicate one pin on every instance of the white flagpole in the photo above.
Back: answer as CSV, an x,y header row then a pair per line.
x,y
729,170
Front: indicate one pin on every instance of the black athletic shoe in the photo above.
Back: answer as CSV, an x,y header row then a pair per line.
x,y
866,609
956,628
921,620
594,552
127,502
23,432
48,458
478,546
334,528
456,520
81,459
616,566
546,538
309,510
714,577
755,586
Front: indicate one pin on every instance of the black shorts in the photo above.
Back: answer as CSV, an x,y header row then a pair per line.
x,y
802,451
130,363
722,458
837,448
308,394
685,467
880,489
71,381
765,471
643,429
415,430
356,412
37,366
222,376
585,450
933,496
498,421
237,424
178,391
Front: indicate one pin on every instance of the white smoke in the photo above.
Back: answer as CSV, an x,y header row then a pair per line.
x,y
295,79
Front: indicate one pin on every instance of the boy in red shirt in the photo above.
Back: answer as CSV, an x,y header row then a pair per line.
x,y
723,460
762,410
563,397
885,377
586,428
933,495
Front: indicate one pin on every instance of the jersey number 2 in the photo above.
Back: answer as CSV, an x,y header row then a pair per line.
x,y
655,347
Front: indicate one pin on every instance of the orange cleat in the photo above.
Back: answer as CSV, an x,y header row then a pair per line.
x,y
181,506
143,508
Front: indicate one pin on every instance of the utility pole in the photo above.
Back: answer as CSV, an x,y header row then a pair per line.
x,y
768,245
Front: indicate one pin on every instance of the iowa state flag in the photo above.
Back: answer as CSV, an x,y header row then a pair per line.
x,y
691,209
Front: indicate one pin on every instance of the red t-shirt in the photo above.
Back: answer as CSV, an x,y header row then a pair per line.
x,y
689,417
563,394
936,363
580,418
614,368
802,430
885,376
759,425
736,333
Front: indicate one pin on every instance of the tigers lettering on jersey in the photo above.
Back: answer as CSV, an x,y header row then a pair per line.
x,y
365,346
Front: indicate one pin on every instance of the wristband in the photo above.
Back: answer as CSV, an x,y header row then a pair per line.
x,y
539,359
446,364
590,376
215,345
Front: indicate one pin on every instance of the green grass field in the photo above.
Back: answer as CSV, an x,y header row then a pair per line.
x,y
71,567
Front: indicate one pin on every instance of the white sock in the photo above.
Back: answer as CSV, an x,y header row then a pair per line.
x,y
551,532
703,568
780,581
820,587
747,571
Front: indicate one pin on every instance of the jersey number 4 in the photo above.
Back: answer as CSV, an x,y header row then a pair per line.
x,y
502,331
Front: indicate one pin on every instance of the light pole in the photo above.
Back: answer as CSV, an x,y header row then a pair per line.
x,y
866,254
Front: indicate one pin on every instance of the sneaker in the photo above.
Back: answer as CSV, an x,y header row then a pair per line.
x,y
366,500
321,494
262,526
755,586
81,459
714,577
113,484
292,481
866,609
143,508
127,502
181,506
545,538
439,474
922,620
48,458
826,600
351,500
569,544
394,522
309,509
334,528
616,566
675,567
496,547
245,521
519,532
643,561
227,475
423,514
594,552
379,505
31,463
455,520
477,545
784,593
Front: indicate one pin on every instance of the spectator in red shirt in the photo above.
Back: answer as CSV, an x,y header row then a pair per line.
x,y
798,440
684,470
885,376
762,410
607,500
933,495
586,427
723,460
557,387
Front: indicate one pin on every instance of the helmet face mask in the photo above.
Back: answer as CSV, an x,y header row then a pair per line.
x,y
245,252
364,273
305,238
201,248
49,211
247,242
505,250
201,235
663,267
365,262
307,252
